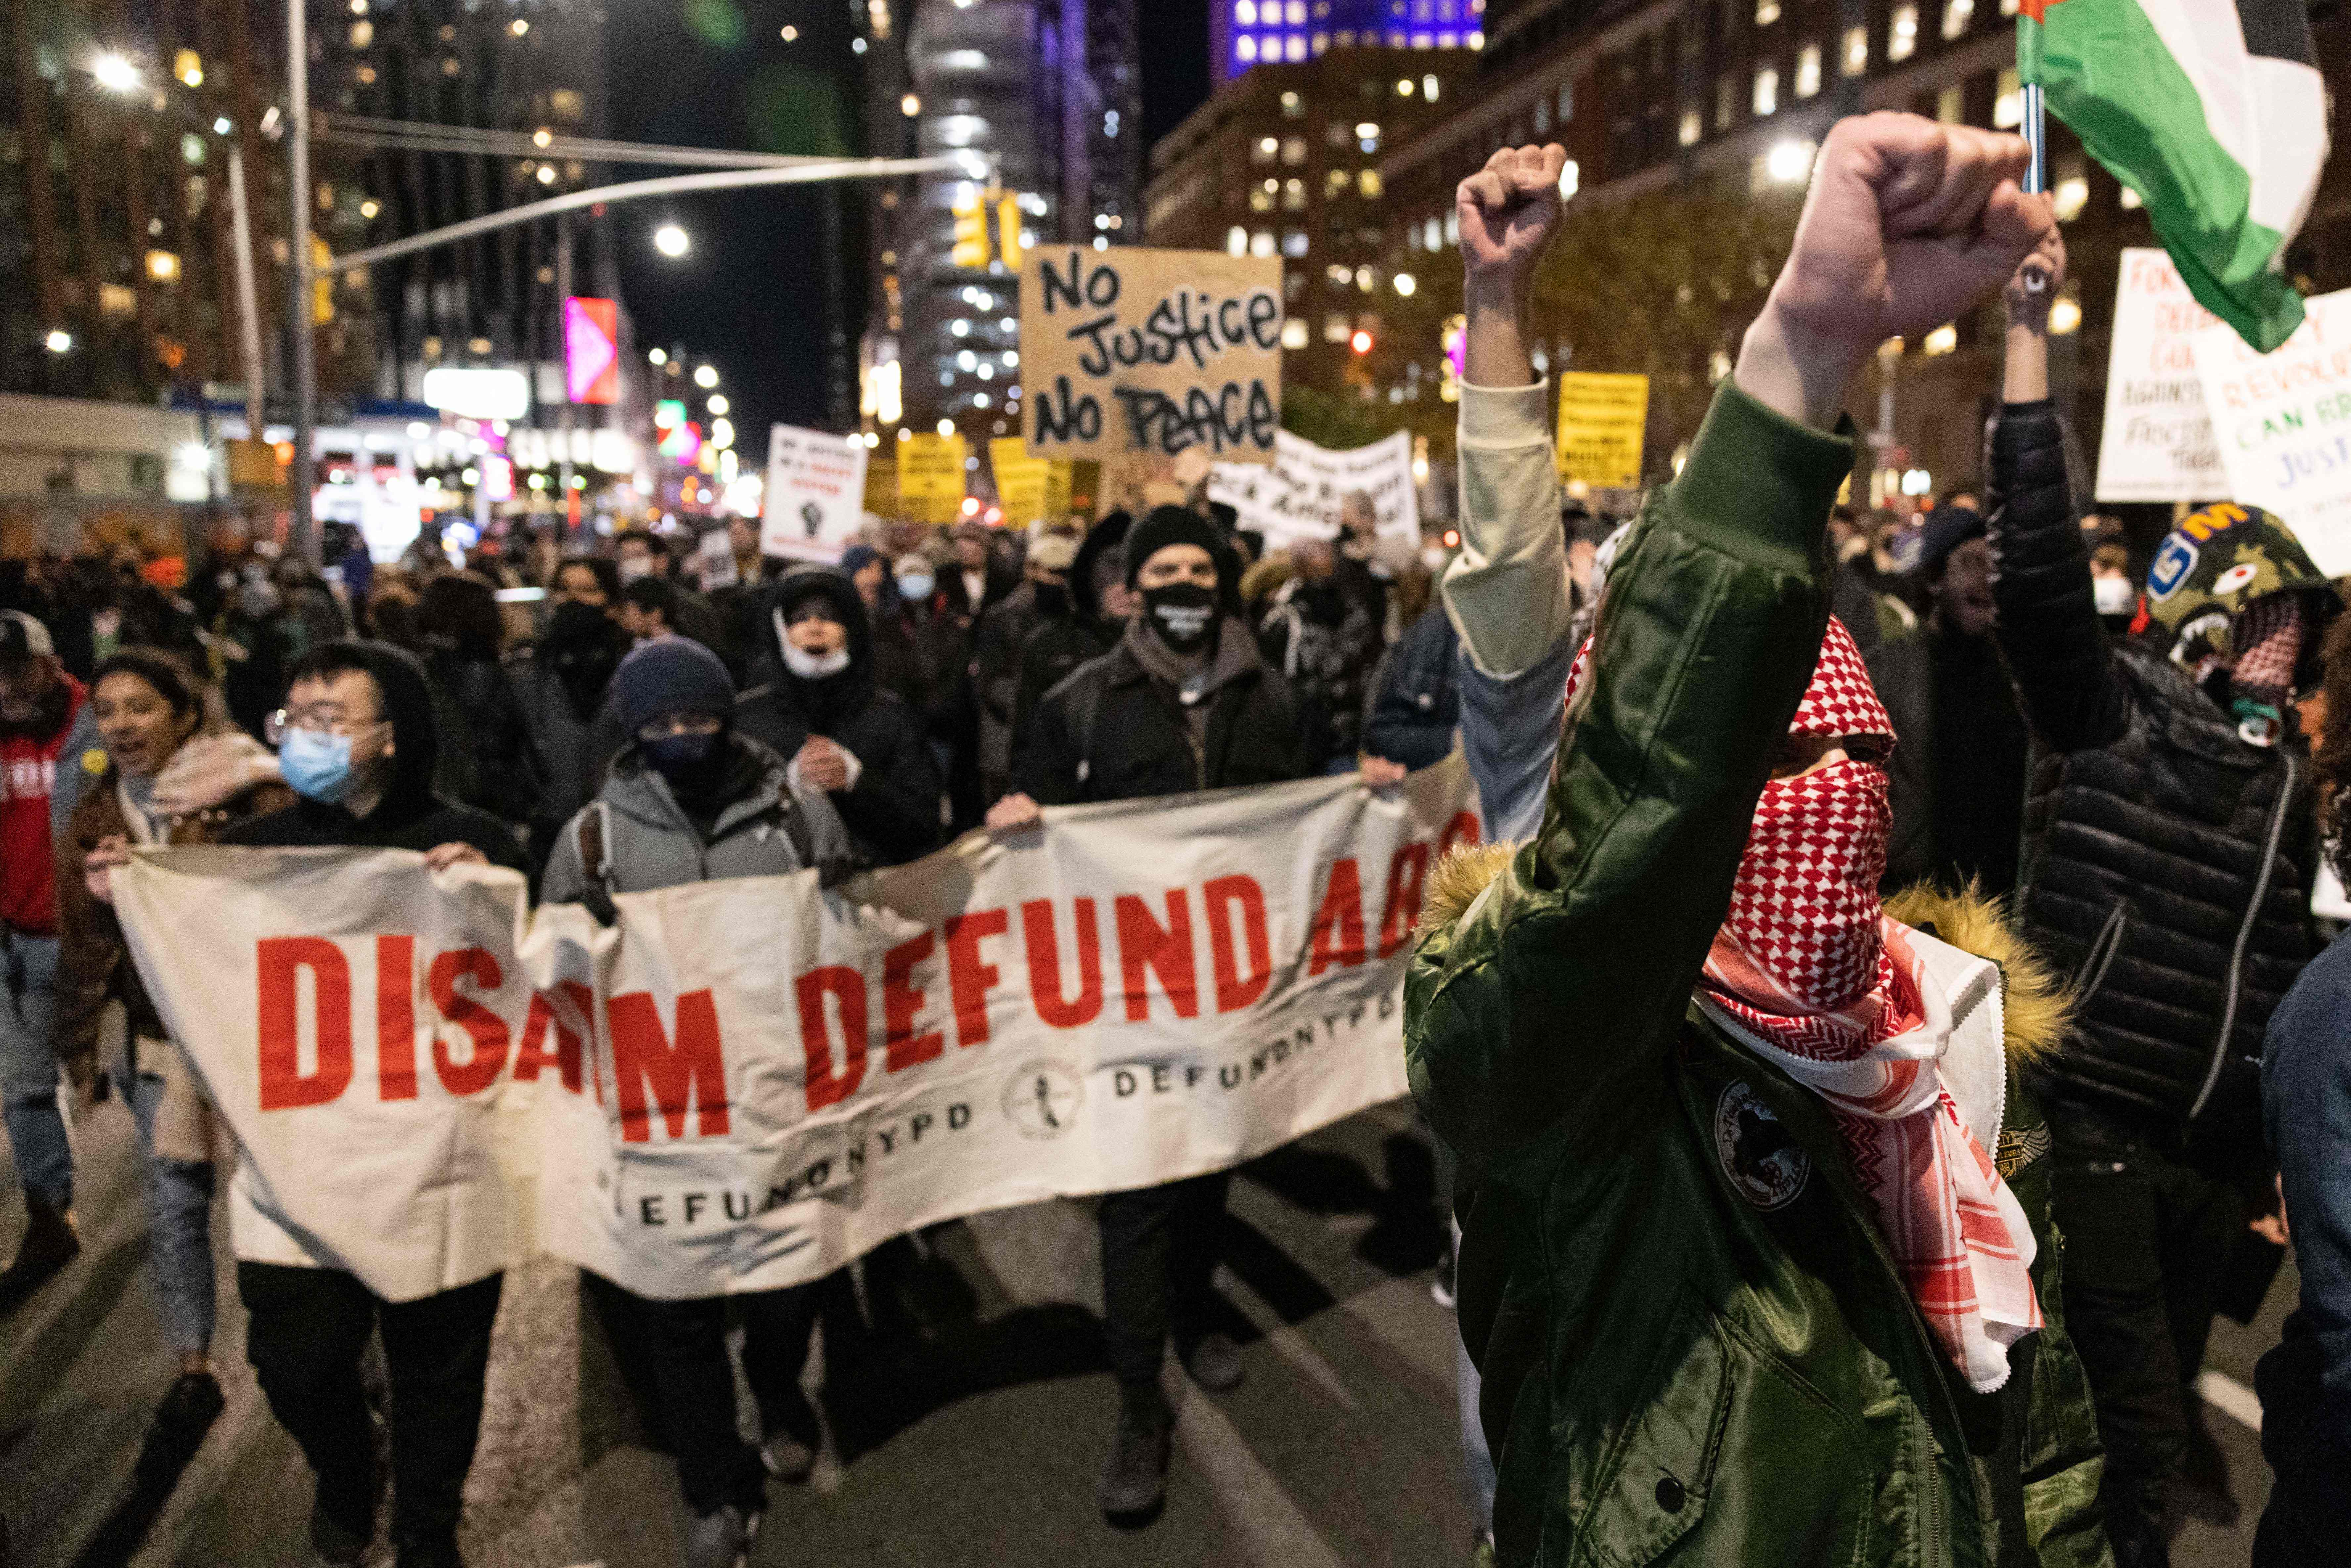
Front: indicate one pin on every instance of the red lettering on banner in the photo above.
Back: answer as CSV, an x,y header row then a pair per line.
x,y
1462,829
531,1054
284,1086
1144,944
1400,911
847,988
1339,924
395,1018
484,1027
1234,992
902,1046
968,975
693,1072
1045,964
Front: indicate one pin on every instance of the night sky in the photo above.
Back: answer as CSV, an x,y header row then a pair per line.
x,y
718,73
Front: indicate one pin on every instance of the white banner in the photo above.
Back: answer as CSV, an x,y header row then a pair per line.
x,y
747,1084
2284,422
1297,495
2156,444
815,498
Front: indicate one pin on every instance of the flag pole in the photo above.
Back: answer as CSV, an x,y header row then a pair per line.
x,y
2036,137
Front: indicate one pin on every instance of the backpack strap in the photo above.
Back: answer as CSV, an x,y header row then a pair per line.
x,y
593,831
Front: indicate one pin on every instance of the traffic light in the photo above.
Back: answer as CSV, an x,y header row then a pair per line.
x,y
970,231
1008,229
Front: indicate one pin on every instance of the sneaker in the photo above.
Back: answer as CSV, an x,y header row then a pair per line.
x,y
721,1540
787,1457
51,1241
1134,1482
1214,1362
1440,1289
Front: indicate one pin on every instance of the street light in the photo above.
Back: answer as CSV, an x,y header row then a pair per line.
x,y
718,402
658,357
705,376
671,241
115,73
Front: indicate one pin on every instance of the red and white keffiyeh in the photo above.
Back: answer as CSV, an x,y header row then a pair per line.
x,y
1807,969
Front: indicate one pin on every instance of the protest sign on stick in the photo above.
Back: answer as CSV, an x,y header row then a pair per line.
x,y
1298,495
1604,420
815,496
2283,424
1130,350
2157,441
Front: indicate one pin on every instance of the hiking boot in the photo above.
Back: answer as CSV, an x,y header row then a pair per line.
x,y
1214,1362
721,1540
51,1241
1134,1482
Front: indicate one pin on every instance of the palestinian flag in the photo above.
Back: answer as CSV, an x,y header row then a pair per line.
x,y
2213,111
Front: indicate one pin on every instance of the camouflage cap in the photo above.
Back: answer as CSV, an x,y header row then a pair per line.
x,y
2214,564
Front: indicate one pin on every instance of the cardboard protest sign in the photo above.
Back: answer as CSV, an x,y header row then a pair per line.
x,y
815,495
2156,444
1129,350
931,476
746,1084
1028,488
1603,418
2283,424
1298,495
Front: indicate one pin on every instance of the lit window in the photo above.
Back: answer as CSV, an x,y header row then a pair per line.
x,y
1542,115
1693,127
1320,45
1293,242
1368,182
1566,102
1335,329
1293,107
1261,243
1570,180
1428,89
1808,70
1245,12
1942,340
1432,236
1334,183
1726,101
1902,33
1767,90
1951,104
2132,199
1295,48
163,265
2073,195
1260,199
363,35
1237,241
1766,12
2008,102
117,299
1856,51
2008,7
1293,150
1297,12
1267,146
191,149
1453,228
1956,14
1367,278
1293,334
1337,276
1245,47
1293,196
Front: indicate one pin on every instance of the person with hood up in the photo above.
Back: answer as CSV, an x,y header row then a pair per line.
x,y
690,800
1099,607
40,714
1043,598
1755,1263
819,706
1183,704
2172,848
559,684
486,758
357,743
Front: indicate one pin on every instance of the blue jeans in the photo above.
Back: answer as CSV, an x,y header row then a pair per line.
x,y
179,1223
28,1069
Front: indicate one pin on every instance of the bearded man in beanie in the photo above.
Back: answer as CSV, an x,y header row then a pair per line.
x,y
1182,703
1754,1259
358,746
2173,845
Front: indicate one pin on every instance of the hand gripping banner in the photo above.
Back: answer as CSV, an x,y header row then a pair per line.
x,y
746,1084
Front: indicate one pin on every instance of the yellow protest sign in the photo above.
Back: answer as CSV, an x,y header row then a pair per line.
x,y
1021,481
931,476
1602,420
1130,350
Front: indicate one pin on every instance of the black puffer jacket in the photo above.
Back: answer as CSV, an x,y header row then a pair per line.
x,y
2168,863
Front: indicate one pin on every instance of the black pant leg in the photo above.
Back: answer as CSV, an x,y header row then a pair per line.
x,y
1195,1244
681,1349
437,1350
306,1329
777,1328
1137,1230
2104,1200
2202,1220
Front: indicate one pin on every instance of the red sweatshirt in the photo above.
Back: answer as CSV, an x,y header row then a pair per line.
x,y
29,769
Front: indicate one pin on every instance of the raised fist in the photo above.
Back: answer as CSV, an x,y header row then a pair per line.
x,y
1909,223
1509,210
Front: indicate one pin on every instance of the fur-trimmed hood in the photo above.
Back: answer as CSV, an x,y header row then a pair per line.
x,y
2036,1008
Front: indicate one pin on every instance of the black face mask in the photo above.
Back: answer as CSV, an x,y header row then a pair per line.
x,y
574,623
1052,598
691,763
1183,614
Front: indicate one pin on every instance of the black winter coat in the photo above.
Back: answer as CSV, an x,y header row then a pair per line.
x,y
1113,732
2168,861
487,758
1416,698
892,814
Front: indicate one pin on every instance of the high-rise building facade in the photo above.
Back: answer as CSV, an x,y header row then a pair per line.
x,y
533,66
1243,34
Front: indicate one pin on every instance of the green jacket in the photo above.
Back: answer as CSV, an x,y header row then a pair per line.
x,y
1694,1345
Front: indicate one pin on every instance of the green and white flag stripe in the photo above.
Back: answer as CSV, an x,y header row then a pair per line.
x,y
2213,111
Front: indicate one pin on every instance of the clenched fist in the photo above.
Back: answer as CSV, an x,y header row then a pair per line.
x,y
1509,210
1909,223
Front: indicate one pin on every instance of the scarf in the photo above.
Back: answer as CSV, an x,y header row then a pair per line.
x,y
1808,970
2266,641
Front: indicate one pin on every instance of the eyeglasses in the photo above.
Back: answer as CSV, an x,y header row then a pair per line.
x,y
325,719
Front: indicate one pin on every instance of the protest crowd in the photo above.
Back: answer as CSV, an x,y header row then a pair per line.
x,y
1757,1255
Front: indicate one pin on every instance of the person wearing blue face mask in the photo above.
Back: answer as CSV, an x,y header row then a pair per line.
x,y
358,744
688,798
